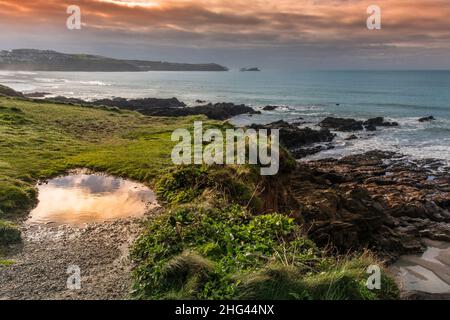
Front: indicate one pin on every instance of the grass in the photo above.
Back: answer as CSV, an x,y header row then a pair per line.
x,y
211,243
9,233
40,140
6,263
197,252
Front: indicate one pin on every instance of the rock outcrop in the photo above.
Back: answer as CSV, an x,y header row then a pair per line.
x,y
348,125
299,140
7,91
426,119
341,124
378,200
166,107
373,123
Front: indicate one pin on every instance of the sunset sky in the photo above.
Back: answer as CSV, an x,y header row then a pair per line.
x,y
300,34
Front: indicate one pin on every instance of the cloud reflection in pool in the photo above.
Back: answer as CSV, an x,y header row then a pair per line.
x,y
86,198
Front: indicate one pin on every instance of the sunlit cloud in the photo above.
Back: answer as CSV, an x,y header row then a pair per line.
x,y
133,3
302,28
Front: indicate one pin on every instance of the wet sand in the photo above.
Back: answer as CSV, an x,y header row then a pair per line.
x,y
85,220
428,273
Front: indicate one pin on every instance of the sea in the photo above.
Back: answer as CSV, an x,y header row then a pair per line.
x,y
307,97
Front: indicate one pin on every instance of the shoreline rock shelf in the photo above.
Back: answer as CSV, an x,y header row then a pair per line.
x,y
165,107
348,125
300,141
377,199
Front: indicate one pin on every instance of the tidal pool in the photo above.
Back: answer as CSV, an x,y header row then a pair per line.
x,y
81,197
429,272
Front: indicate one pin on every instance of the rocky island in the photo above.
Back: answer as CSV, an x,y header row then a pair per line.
x,y
252,69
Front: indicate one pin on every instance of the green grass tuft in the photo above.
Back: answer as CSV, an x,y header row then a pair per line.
x,y
9,233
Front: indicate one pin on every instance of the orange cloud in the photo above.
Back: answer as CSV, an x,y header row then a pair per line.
x,y
332,24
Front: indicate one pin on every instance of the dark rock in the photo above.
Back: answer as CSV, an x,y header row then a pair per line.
x,y
7,91
200,101
37,94
379,122
270,108
341,124
295,138
221,111
351,137
304,152
166,107
426,119
144,105
250,69
352,203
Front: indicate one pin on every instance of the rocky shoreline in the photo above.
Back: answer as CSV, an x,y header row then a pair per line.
x,y
383,201
164,107
380,200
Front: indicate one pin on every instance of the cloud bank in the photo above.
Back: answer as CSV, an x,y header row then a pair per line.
x,y
309,33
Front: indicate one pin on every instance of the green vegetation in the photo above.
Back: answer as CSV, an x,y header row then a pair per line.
x,y
212,242
40,140
186,183
9,233
6,263
207,246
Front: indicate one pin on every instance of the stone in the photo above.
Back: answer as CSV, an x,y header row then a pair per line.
x,y
426,119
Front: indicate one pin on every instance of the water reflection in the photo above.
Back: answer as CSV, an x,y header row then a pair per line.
x,y
84,198
429,272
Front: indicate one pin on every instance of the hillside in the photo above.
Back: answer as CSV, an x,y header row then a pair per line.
x,y
47,60
212,223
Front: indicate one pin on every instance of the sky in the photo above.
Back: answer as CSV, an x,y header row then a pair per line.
x,y
272,34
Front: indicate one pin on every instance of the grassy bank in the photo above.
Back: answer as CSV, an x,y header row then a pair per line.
x,y
41,140
214,240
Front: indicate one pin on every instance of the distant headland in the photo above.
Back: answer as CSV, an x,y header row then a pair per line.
x,y
48,60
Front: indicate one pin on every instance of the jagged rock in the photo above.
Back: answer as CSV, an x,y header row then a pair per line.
x,y
341,124
270,108
379,122
345,124
37,94
304,152
351,137
221,111
426,119
379,200
295,138
166,107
